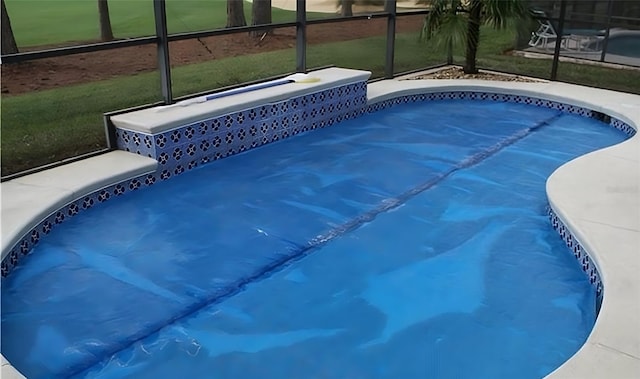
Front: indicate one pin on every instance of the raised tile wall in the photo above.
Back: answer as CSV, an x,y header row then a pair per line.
x,y
183,148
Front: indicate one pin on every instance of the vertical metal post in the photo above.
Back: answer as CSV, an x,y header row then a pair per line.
x,y
110,132
560,31
301,36
390,7
160,13
606,33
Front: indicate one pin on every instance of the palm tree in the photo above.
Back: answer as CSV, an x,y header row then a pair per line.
x,y
458,22
346,6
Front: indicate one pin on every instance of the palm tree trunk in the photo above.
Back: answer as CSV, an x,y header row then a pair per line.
x,y
106,33
346,8
235,13
261,15
473,37
8,40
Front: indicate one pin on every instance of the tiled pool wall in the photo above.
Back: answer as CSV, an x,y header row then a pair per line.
x,y
579,253
184,148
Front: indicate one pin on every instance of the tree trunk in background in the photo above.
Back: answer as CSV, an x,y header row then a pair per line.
x,y
346,8
106,33
473,37
8,40
235,13
260,15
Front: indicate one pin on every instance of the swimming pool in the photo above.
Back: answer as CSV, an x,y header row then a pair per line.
x,y
344,197
627,45
623,47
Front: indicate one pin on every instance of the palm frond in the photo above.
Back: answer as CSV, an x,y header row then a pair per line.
x,y
501,14
441,12
453,30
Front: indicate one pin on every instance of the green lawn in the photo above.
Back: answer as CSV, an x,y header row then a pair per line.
x,y
47,126
59,22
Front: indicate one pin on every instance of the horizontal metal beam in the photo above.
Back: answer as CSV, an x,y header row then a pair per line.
x,y
412,13
625,18
102,46
70,50
368,16
226,31
129,42
346,19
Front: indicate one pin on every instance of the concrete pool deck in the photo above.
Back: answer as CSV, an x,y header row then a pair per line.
x,y
597,196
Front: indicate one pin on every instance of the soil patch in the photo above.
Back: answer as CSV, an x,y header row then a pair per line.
x,y
81,68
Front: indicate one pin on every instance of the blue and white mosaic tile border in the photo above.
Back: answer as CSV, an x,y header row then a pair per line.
x,y
24,246
579,253
184,148
465,95
622,126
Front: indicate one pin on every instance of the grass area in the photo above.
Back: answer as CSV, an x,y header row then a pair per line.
x,y
491,55
51,125
58,22
47,126
220,73
369,54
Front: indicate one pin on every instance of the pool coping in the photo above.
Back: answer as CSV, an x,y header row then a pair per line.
x,y
34,197
596,196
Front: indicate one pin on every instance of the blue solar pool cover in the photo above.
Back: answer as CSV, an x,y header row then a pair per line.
x,y
408,243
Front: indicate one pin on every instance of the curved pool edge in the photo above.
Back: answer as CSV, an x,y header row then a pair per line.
x,y
36,196
612,349
597,197
8,371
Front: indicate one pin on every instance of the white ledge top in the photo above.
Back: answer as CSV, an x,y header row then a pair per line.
x,y
597,196
163,118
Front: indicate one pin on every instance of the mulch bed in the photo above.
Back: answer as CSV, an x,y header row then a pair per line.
x,y
457,73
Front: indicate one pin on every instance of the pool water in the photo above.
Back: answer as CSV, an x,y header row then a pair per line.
x,y
409,243
626,45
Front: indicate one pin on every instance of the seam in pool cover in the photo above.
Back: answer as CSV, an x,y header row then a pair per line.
x,y
302,251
